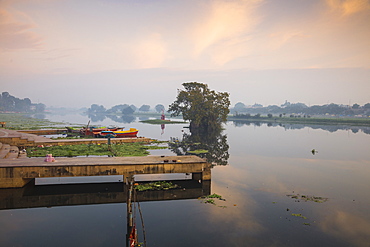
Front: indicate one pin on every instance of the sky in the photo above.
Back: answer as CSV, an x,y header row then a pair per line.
x,y
67,53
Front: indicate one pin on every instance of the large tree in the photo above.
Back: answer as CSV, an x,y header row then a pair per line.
x,y
204,108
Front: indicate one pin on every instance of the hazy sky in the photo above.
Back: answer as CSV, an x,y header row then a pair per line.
x,y
76,53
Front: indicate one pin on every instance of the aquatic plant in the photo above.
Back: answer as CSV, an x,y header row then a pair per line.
x,y
210,199
159,185
300,215
306,198
216,196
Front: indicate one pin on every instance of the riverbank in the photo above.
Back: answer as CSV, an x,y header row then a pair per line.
x,y
19,121
159,121
302,120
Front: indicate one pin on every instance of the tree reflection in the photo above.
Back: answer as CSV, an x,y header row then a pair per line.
x,y
96,117
211,145
123,118
330,128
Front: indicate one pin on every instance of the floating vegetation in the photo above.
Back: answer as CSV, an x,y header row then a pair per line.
x,y
159,185
211,199
198,151
216,196
156,145
300,215
127,149
159,121
306,224
306,198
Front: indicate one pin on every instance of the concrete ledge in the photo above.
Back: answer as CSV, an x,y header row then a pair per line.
x,y
12,173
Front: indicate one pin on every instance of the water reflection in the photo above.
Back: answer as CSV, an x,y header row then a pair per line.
x,y
211,145
143,118
97,193
287,126
346,226
266,165
115,118
96,117
58,196
163,126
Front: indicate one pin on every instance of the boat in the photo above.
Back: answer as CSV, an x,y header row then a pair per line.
x,y
132,132
95,131
72,129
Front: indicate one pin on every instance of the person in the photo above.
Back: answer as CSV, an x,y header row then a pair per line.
x,y
49,158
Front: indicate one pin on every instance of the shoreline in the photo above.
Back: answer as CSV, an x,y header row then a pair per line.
x,y
302,120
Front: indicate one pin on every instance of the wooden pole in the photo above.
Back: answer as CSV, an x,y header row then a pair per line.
x,y
130,219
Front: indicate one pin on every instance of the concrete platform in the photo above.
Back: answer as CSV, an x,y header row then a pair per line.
x,y
19,172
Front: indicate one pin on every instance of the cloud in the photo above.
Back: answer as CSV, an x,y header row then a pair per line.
x,y
349,7
150,52
347,226
223,28
279,39
213,34
15,34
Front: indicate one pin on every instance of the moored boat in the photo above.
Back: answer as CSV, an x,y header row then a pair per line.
x,y
95,131
132,132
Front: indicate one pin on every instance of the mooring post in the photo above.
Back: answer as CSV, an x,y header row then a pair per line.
x,y
130,219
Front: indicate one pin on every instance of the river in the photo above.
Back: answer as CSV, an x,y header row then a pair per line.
x,y
283,185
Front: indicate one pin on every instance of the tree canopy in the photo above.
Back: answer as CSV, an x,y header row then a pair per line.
x,y
204,108
14,104
128,110
159,108
144,108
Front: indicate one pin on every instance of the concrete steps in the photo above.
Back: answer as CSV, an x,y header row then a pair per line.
x,y
10,152
19,139
13,153
5,148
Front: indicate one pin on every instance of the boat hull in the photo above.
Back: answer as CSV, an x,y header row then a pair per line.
x,y
132,132
97,131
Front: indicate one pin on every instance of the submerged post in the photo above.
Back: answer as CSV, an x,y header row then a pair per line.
x,y
131,231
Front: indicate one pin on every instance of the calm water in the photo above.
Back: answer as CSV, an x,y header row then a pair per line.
x,y
268,171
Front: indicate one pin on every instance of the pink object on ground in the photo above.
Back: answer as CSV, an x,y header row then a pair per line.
x,y
49,158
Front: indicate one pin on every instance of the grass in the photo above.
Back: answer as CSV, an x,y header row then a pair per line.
x,y
19,121
198,151
127,149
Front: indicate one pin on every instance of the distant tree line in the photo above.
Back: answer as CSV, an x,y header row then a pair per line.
x,y
9,103
288,109
124,109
